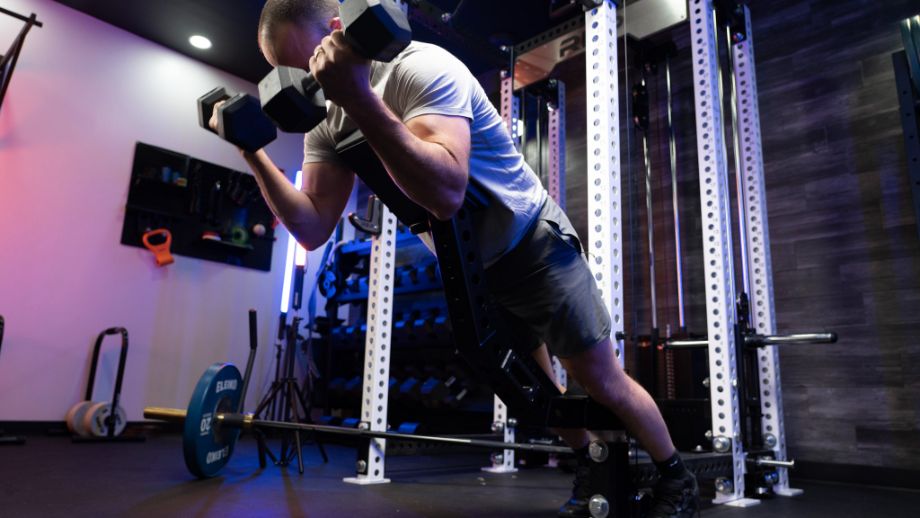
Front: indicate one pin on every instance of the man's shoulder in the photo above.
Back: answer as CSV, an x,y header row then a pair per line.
x,y
424,48
424,55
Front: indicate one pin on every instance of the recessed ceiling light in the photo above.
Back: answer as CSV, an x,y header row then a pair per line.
x,y
200,42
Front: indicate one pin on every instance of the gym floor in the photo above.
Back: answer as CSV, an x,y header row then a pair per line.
x,y
50,476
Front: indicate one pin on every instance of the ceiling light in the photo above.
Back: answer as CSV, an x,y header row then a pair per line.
x,y
200,42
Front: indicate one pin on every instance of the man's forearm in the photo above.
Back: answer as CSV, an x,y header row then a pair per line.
x,y
427,172
294,208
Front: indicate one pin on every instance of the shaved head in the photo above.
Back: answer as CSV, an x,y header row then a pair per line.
x,y
305,13
286,25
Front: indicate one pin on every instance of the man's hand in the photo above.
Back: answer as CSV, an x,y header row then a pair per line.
x,y
212,122
343,74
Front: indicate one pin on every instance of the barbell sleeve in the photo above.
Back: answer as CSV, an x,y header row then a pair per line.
x,y
790,464
761,340
164,414
803,338
686,344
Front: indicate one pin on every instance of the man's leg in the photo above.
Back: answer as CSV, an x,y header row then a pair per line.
x,y
599,372
578,438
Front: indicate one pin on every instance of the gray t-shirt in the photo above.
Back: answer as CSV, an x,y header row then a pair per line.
x,y
426,79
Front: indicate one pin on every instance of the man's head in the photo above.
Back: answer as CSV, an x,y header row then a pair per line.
x,y
289,30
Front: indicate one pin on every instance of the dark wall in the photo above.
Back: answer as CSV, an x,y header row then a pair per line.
x,y
843,232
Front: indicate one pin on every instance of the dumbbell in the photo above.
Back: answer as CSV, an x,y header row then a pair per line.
x,y
375,29
240,120
401,276
336,391
402,329
433,390
458,389
439,326
409,390
431,271
353,389
441,392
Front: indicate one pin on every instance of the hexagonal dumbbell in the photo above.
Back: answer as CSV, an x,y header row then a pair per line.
x,y
375,29
240,119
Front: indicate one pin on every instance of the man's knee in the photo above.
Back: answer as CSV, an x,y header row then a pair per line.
x,y
601,379
606,390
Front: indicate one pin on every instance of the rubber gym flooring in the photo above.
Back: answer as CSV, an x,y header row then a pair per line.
x,y
50,477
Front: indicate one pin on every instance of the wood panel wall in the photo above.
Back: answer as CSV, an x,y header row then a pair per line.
x,y
843,232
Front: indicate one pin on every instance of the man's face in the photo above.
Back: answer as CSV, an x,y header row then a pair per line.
x,y
291,45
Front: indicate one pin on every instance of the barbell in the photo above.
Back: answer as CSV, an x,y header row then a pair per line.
x,y
760,340
212,424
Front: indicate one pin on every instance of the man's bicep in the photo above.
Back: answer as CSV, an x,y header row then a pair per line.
x,y
328,185
451,132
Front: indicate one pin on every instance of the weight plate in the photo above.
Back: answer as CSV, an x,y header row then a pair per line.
x,y
407,428
207,447
96,420
327,284
74,418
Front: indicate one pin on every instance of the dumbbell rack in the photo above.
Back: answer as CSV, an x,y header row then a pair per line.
x,y
420,341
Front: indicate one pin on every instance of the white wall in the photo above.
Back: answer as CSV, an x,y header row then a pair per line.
x,y
82,95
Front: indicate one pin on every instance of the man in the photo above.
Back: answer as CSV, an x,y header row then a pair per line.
x,y
434,129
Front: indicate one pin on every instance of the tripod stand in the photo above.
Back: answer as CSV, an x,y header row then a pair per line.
x,y
287,397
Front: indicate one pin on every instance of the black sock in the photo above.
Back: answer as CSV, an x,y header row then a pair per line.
x,y
672,467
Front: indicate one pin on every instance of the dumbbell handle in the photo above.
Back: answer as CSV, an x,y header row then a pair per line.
x,y
247,421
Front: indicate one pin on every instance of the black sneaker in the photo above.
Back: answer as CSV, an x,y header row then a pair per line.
x,y
676,498
577,506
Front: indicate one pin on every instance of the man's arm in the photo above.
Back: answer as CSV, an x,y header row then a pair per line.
x,y
312,213
427,156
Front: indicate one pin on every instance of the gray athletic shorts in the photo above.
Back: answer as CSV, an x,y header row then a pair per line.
x,y
546,289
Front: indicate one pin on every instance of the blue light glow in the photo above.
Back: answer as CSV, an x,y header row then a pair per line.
x,y
289,259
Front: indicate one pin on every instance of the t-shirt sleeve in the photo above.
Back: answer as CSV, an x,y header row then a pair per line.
x,y
319,145
432,81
